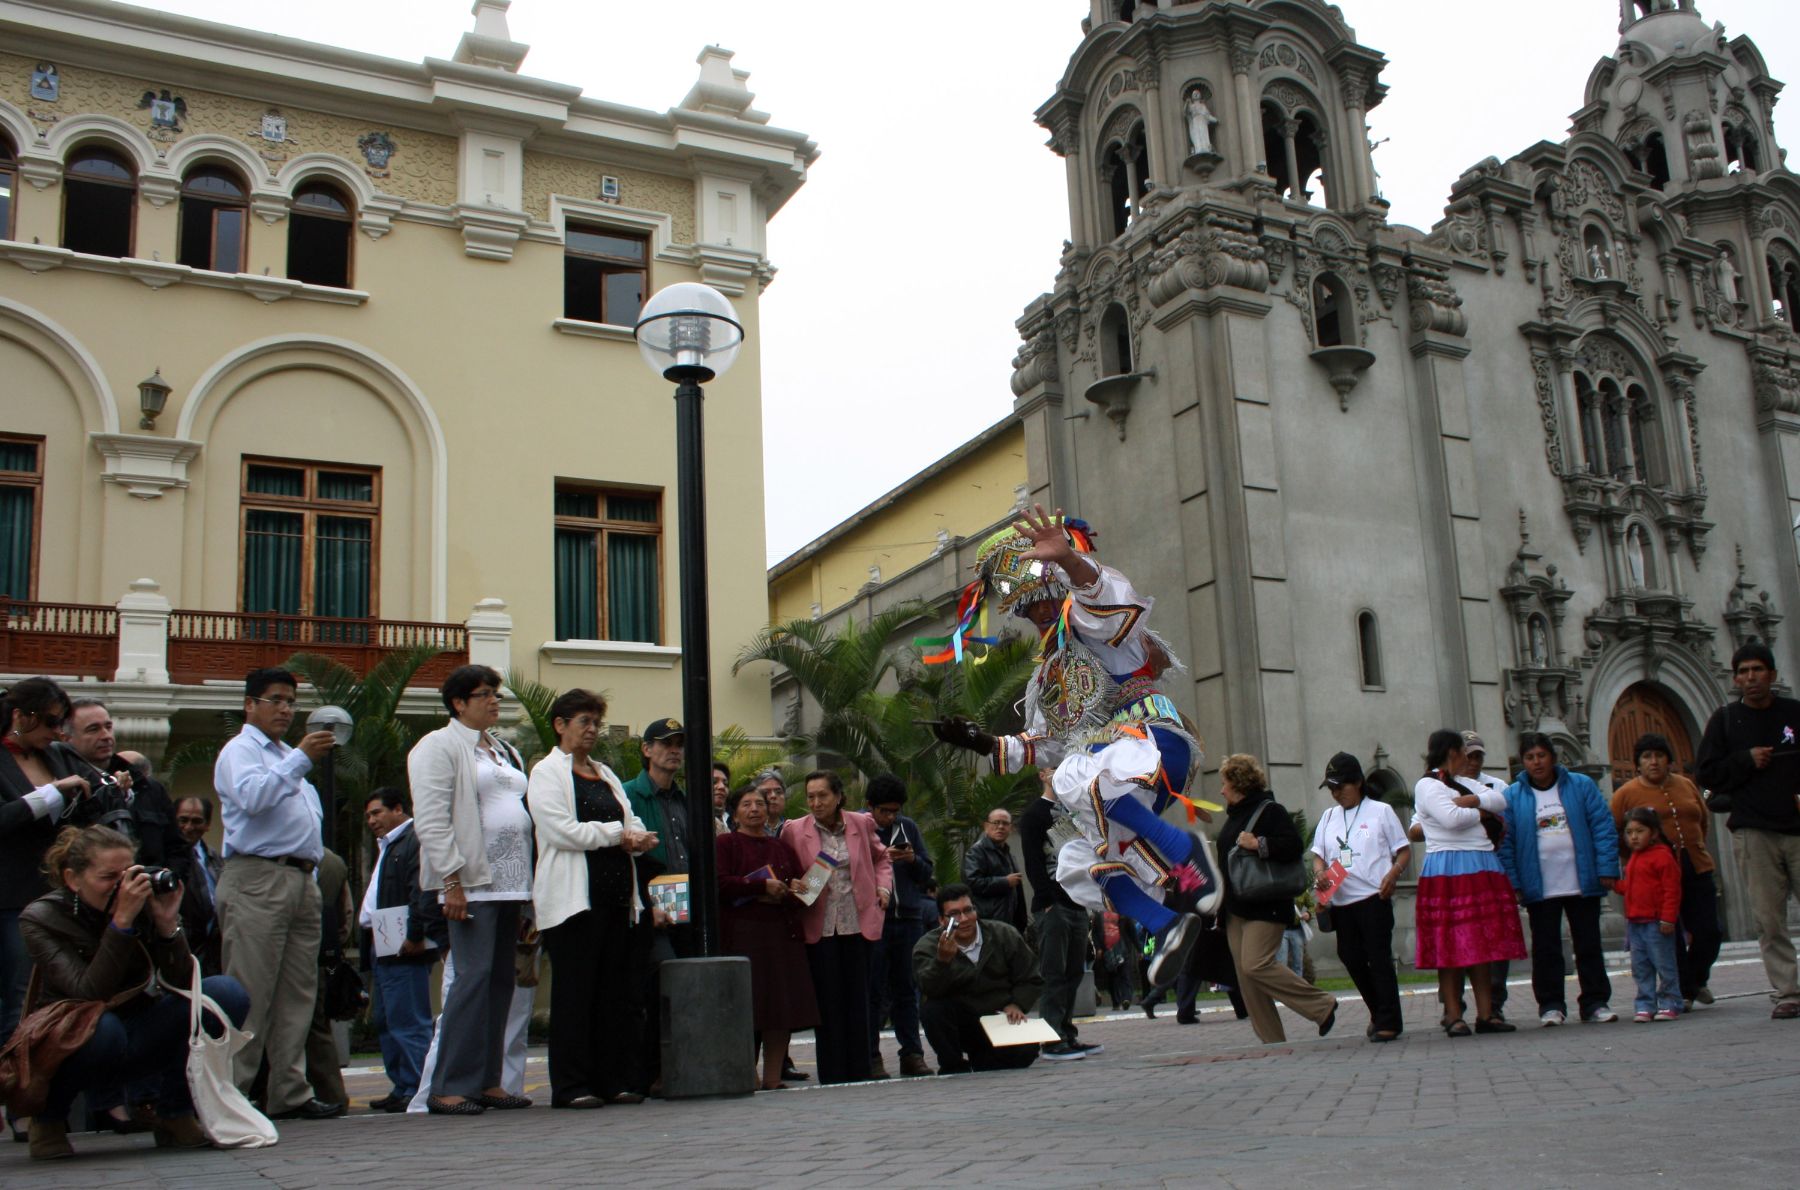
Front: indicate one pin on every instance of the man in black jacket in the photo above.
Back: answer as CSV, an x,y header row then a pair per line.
x,y
1750,754
152,822
989,872
1061,924
403,978
891,989
199,868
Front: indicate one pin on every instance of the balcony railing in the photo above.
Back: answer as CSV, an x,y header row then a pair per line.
x,y
142,639
206,645
77,639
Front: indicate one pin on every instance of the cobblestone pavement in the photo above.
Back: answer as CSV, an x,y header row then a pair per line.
x,y
1708,1100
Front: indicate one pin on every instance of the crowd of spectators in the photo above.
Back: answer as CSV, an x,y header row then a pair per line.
x,y
839,912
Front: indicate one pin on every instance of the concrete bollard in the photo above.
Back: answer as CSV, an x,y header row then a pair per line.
x,y
708,1038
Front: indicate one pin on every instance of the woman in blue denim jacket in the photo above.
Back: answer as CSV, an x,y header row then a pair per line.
x,y
1561,852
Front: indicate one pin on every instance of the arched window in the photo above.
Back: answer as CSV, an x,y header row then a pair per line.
x,y
99,200
1333,315
9,177
1784,287
1650,153
1294,149
1593,440
1616,422
1740,146
1368,648
1125,170
319,236
1115,341
1125,8
213,217
1598,251
1646,445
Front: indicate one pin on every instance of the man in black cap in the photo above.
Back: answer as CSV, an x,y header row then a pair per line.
x,y
1364,836
660,802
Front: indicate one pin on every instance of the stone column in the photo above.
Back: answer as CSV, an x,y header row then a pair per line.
x,y
1248,114
1359,185
490,635
144,635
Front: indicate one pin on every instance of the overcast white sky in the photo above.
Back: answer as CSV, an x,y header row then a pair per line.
x,y
935,213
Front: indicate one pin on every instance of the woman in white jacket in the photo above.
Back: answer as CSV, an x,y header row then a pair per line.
x,y
1466,914
585,893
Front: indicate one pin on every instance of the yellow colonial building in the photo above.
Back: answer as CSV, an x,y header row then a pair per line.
x,y
908,532
302,348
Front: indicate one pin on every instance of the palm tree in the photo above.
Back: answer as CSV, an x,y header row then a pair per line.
x,y
842,671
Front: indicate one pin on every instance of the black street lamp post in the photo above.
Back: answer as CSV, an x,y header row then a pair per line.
x,y
689,334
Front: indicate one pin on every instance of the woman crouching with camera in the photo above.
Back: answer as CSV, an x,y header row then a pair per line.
x,y
107,926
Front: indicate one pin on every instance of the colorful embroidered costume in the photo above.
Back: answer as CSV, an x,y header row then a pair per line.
x,y
1121,750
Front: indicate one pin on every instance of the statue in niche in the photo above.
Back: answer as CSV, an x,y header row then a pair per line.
x,y
1634,557
1597,262
1200,120
1727,275
1540,644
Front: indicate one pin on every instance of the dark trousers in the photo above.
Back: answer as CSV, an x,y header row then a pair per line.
x,y
472,1043
1062,938
840,973
1365,945
324,1069
402,1020
1583,914
1697,942
591,1053
961,1044
144,1043
891,989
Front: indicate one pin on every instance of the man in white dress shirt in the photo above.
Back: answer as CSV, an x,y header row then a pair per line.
x,y
268,899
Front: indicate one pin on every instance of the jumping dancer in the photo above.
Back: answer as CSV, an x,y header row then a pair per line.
x,y
1121,750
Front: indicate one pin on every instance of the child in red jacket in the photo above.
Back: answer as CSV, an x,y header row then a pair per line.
x,y
1652,891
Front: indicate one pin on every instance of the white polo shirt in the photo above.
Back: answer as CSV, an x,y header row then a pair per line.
x,y
1364,838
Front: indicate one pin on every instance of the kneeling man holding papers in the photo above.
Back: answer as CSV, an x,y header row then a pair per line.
x,y
978,979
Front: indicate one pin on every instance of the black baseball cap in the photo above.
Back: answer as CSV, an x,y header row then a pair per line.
x,y
664,729
1342,769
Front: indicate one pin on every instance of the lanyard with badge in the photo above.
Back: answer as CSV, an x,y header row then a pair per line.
x,y
1346,853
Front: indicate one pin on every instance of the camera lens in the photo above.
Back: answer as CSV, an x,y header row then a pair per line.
x,y
162,880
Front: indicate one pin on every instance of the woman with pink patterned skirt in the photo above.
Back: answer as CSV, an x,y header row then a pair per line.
x,y
1467,914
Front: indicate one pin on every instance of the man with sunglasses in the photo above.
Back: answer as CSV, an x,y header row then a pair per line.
x,y
267,898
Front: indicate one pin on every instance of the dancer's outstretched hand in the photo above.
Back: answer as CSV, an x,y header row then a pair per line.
x,y
1049,542
962,732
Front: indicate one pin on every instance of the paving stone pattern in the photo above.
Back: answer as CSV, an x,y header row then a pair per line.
x,y
1709,1100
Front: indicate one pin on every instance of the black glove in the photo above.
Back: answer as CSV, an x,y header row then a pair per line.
x,y
962,732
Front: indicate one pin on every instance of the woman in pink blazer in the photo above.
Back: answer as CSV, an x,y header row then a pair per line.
x,y
841,925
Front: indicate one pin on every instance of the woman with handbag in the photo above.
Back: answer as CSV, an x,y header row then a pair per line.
x,y
1466,915
585,890
1260,858
98,937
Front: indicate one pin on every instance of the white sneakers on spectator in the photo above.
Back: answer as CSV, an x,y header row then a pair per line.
x,y
1551,1016
1602,1015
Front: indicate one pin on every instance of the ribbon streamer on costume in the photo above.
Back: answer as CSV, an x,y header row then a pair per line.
x,y
970,607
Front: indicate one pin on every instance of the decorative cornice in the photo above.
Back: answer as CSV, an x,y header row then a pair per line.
x,y
144,464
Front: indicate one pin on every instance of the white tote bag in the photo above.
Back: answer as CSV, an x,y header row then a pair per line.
x,y
229,1119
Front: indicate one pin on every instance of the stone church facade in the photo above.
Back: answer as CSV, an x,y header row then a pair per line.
x,y
1535,469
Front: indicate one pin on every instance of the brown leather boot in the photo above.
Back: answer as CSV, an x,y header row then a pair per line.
x,y
50,1140
877,1068
180,1132
913,1065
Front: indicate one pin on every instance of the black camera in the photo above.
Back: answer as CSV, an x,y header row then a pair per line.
x,y
162,880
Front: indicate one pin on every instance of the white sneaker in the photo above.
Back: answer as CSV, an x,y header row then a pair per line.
x,y
1602,1015
1551,1016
